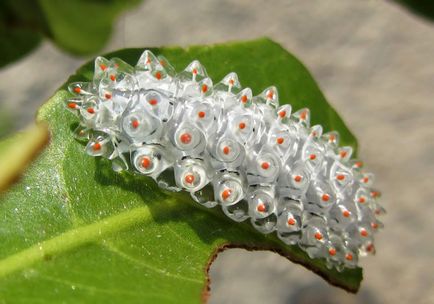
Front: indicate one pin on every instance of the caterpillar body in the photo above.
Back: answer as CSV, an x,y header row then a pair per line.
x,y
248,155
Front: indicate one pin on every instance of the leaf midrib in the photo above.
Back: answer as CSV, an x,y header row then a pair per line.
x,y
81,235
78,237
45,114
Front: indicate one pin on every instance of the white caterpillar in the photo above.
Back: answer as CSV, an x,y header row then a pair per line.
x,y
228,148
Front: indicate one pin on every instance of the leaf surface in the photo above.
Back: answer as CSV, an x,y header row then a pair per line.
x,y
77,26
82,26
77,231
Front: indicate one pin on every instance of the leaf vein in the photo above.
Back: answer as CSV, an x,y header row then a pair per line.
x,y
130,258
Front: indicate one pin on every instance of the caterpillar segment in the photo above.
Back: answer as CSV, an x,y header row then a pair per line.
x,y
251,157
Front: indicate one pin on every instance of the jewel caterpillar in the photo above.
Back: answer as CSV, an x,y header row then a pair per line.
x,y
255,159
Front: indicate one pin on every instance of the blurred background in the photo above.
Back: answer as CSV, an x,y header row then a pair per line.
x,y
374,61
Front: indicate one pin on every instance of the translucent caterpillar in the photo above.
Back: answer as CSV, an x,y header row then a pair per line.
x,y
246,154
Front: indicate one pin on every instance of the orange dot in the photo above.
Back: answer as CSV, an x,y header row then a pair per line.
x,y
108,96
103,66
90,110
375,193
194,71
270,95
346,213
135,123
116,65
312,156
112,77
265,165
231,82
72,105
314,134
226,150
185,138
297,178
340,177
280,140
201,114
242,125
291,221
363,232
349,257
332,251
162,62
148,60
226,193
370,247
158,75
244,98
318,236
153,102
303,115
189,178
96,146
77,90
204,88
282,114
374,225
332,138
325,197
343,154
146,162
365,180
358,164
362,200
261,208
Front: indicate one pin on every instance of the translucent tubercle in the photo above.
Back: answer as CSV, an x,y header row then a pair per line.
x,y
254,158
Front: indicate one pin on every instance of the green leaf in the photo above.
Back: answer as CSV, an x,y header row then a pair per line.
x,y
424,8
21,23
78,26
76,231
17,151
82,26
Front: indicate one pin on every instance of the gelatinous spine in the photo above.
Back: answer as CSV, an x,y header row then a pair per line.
x,y
255,159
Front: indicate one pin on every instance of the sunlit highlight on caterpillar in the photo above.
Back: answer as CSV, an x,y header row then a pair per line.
x,y
255,159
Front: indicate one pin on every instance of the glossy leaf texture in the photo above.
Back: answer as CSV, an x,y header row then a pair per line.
x,y
74,230
77,26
